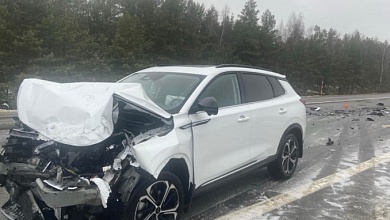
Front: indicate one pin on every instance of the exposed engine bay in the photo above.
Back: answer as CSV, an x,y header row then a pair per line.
x,y
48,179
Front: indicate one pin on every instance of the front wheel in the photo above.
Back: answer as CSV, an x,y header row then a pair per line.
x,y
286,159
160,199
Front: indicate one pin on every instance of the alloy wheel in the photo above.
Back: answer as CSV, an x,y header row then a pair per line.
x,y
160,202
289,156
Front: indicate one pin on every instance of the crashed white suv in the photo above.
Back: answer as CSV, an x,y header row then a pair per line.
x,y
141,148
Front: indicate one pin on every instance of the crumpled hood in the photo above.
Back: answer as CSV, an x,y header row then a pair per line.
x,y
78,114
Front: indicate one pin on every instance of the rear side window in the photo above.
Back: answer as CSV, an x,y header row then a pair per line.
x,y
257,87
278,89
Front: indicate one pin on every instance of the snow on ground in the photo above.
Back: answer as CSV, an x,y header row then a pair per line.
x,y
382,183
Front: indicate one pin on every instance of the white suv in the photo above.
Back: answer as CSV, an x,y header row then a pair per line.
x,y
142,147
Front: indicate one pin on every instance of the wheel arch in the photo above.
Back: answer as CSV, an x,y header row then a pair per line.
x,y
295,129
179,167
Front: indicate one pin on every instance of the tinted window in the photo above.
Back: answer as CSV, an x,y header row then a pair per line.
x,y
278,89
225,90
257,87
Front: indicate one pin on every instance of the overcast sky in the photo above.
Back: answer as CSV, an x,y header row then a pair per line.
x,y
370,17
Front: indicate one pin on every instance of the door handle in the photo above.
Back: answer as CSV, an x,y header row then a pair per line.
x,y
243,118
282,111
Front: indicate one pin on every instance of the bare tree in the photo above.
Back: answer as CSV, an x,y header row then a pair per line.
x,y
225,17
295,28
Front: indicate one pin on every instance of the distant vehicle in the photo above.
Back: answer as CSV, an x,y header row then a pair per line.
x,y
142,147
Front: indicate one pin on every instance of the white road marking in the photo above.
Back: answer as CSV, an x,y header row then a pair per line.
x,y
259,209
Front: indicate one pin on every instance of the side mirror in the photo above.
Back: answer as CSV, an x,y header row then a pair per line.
x,y
209,105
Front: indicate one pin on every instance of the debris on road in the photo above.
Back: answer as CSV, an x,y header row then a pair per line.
x,y
379,113
378,110
385,126
369,119
330,142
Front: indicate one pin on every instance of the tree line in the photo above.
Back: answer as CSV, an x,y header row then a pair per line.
x,y
104,40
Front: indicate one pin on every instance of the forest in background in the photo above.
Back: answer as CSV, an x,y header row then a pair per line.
x,y
104,40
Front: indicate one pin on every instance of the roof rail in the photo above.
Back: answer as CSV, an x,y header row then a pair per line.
x,y
243,66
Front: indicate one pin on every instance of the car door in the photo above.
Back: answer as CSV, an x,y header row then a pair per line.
x,y
268,115
221,142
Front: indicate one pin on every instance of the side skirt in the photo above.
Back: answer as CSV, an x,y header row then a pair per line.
x,y
233,176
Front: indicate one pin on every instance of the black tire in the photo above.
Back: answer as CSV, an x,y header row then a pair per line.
x,y
286,159
160,199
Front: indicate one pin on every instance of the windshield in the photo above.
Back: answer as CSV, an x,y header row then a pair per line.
x,y
168,90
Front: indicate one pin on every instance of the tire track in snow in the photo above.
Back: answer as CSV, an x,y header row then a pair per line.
x,y
354,197
328,198
334,159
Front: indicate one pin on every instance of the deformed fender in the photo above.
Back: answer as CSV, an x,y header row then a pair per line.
x,y
153,155
177,156
178,165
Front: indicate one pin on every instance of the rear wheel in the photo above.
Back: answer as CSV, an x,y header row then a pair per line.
x,y
286,159
160,199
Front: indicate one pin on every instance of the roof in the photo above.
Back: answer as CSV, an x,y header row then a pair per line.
x,y
211,70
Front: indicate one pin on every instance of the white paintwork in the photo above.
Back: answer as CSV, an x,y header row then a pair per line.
x,y
226,144
222,144
232,140
271,118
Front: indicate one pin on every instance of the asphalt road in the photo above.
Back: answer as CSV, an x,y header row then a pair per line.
x,y
329,182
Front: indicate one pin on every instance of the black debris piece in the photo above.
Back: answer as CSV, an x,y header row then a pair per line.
x,y
339,111
380,104
330,142
379,113
369,119
351,127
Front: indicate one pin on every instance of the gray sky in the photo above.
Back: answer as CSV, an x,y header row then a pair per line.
x,y
370,17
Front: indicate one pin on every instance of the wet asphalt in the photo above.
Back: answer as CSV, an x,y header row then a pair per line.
x,y
355,140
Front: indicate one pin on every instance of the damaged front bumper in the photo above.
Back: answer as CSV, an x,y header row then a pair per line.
x,y
42,201
23,204
46,186
48,177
